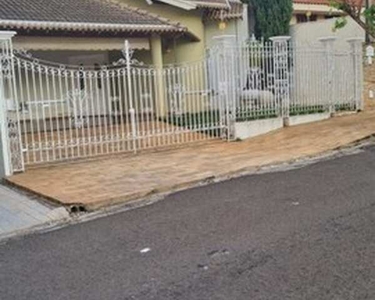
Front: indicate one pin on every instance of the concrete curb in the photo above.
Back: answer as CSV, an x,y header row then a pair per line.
x,y
156,195
59,216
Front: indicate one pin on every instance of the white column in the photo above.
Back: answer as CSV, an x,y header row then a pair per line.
x,y
328,43
356,47
6,69
157,61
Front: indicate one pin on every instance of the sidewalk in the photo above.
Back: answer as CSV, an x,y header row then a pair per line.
x,y
20,214
121,178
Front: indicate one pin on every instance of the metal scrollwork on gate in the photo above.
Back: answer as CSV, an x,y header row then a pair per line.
x,y
78,102
14,144
13,159
6,62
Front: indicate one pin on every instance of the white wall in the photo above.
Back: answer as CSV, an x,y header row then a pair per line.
x,y
307,34
311,67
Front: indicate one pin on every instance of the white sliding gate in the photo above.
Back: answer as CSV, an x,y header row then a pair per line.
x,y
51,112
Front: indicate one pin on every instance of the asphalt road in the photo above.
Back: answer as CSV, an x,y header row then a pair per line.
x,y
301,234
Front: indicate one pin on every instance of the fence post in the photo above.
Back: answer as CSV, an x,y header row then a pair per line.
x,y
328,43
357,54
128,59
6,73
281,73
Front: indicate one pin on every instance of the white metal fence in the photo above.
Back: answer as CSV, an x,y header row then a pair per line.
x,y
282,79
51,112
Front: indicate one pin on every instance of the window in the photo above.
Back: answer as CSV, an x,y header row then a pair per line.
x,y
330,16
303,18
313,18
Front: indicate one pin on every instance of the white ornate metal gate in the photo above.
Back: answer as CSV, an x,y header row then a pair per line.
x,y
56,112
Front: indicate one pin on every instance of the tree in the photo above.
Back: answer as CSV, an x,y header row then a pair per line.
x,y
272,17
364,16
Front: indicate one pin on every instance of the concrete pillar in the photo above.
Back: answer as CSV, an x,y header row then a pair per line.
x,y
224,40
11,157
157,61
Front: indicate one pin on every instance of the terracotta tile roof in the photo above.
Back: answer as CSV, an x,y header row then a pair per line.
x,y
80,15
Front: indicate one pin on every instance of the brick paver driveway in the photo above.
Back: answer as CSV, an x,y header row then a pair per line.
x,y
122,178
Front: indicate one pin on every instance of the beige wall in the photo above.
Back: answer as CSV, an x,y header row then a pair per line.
x,y
237,27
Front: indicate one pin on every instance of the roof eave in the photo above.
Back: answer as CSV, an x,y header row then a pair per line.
x,y
213,6
320,8
183,4
187,5
44,25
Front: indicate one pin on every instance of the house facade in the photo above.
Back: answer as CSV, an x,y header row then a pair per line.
x,y
315,19
204,19
93,31
86,32
305,11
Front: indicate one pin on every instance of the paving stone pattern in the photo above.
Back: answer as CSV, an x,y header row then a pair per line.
x,y
122,178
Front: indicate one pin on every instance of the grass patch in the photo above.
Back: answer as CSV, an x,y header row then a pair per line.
x,y
345,107
205,119
297,110
191,120
253,115
211,118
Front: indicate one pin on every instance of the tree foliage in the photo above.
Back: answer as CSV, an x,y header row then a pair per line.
x,y
356,9
272,17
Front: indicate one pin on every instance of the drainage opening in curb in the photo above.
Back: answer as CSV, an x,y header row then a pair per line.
x,y
77,209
